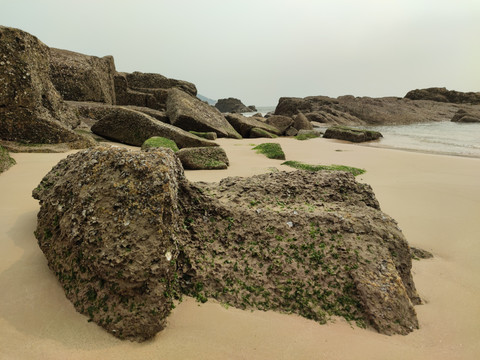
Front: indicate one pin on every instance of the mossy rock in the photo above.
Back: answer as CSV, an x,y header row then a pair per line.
x,y
206,135
270,150
301,166
5,160
260,133
203,158
308,134
351,134
159,142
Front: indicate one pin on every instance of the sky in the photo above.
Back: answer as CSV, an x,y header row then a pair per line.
x,y
261,50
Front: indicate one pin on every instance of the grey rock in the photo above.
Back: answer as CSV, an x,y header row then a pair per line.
x,y
243,125
203,158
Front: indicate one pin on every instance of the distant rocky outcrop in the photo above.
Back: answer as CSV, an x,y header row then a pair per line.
x,y
349,134
444,95
189,113
125,233
203,158
80,77
463,116
244,125
232,105
31,109
133,128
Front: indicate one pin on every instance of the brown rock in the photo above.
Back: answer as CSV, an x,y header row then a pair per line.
x,y
232,105
465,117
192,114
444,95
133,128
31,110
243,125
80,77
349,134
300,122
282,123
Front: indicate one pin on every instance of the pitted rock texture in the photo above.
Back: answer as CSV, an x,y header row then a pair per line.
x,y
31,110
126,233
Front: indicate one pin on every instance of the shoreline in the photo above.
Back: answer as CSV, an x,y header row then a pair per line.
x,y
435,199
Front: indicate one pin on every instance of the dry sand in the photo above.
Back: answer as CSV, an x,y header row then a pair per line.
x,y
435,199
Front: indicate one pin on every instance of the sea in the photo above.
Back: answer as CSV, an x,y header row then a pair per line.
x,y
445,137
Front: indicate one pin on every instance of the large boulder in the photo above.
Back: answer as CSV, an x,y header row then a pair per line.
x,y
282,123
143,81
117,260
133,128
349,134
151,98
125,233
80,77
444,95
232,105
31,109
300,122
189,113
203,158
244,125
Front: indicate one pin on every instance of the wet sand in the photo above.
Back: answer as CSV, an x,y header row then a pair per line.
x,y
435,199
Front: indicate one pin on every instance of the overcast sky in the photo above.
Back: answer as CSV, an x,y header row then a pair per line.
x,y
260,50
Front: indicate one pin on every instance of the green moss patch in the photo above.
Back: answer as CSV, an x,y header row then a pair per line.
x,y
270,150
206,135
301,166
306,136
158,141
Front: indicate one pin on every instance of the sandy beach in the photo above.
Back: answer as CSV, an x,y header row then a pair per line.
x,y
434,198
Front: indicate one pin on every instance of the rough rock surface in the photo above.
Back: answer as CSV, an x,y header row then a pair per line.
x,y
151,98
143,81
300,122
261,133
133,128
80,77
243,125
282,123
190,113
203,158
349,110
444,95
31,110
5,160
466,117
125,232
349,134
232,105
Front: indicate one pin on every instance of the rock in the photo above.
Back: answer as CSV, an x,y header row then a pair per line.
x,y
5,160
349,134
291,131
232,105
189,113
300,122
125,233
261,133
309,133
80,77
159,142
31,109
252,108
117,261
444,95
282,123
417,253
465,117
133,128
243,125
356,111
143,81
203,158
206,135
151,98
257,115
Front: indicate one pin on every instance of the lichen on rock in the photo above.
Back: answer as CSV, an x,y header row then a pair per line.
x,y
126,233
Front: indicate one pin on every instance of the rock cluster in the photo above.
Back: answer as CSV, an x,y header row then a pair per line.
x,y
125,233
444,95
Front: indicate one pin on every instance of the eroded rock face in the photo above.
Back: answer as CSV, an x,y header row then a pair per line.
x,y
114,252
125,232
190,113
79,77
31,110
244,125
